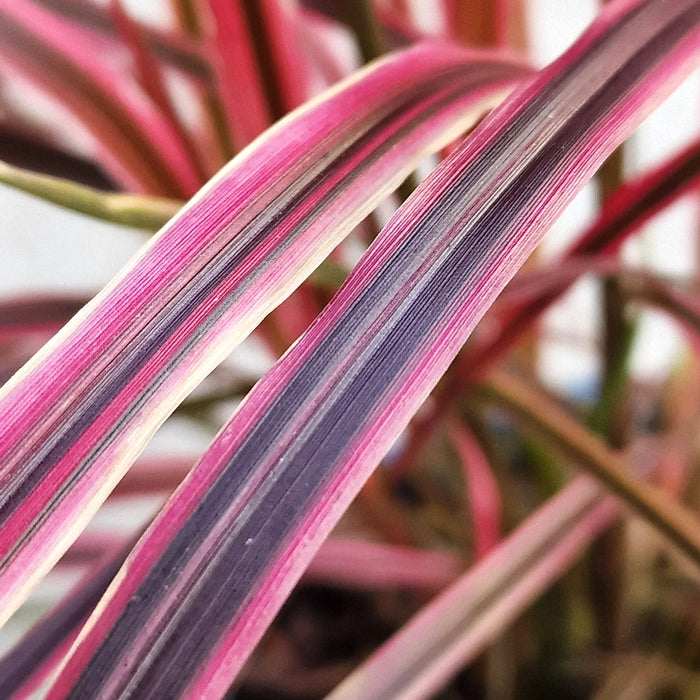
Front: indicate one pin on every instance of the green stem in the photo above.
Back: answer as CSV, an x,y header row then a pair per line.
x,y
137,211
149,213
607,571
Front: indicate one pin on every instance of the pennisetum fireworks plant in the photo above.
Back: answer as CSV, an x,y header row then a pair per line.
x,y
242,133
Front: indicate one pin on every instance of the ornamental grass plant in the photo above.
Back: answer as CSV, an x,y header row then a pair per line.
x,y
306,442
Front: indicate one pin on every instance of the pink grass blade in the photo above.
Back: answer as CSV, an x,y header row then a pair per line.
x,y
138,145
173,49
77,416
200,588
281,20
625,212
240,82
363,565
152,475
633,204
92,546
482,489
151,76
460,623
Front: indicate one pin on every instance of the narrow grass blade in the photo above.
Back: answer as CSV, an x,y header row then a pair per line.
x,y
39,652
173,49
151,77
76,416
537,409
139,211
483,492
369,565
279,20
240,83
455,627
205,581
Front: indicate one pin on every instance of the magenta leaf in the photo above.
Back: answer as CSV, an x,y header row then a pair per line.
x,y
207,578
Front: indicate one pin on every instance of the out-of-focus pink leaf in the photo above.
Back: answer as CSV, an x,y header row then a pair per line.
x,y
25,315
682,305
152,78
173,49
395,18
92,546
280,20
202,585
455,627
482,489
240,82
369,565
77,416
154,475
479,22
320,38
624,213
138,144
538,281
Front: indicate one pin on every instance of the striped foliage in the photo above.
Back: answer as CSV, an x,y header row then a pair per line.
x,y
79,413
198,591
625,212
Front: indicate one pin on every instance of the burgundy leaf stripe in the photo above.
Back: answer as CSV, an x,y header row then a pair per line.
x,y
626,211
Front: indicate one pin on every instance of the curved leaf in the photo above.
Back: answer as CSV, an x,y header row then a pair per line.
x,y
205,581
77,416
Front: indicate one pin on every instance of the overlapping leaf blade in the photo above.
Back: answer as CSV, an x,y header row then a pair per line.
x,y
200,588
624,214
77,415
138,143
342,563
